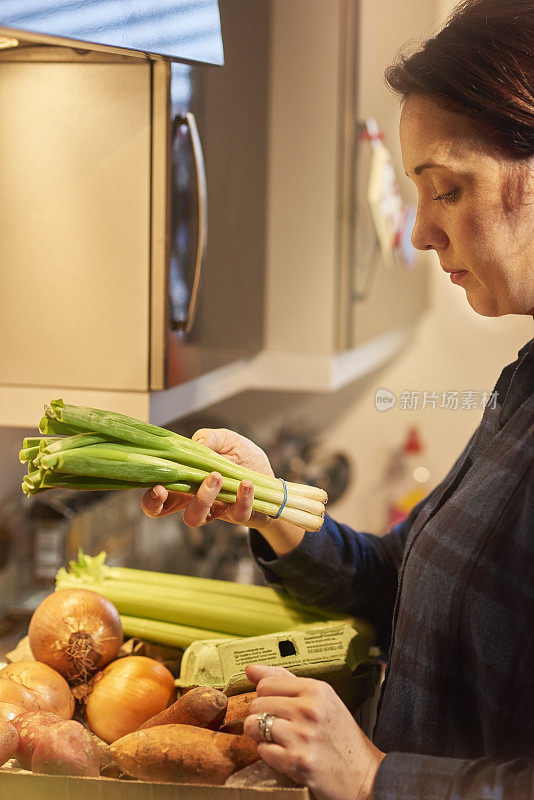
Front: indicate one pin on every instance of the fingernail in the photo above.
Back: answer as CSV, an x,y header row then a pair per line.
x,y
213,482
248,487
154,494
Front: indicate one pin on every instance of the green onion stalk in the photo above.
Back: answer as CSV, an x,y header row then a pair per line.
x,y
96,450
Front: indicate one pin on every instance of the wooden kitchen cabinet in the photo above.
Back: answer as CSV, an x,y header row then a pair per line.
x,y
319,333
74,224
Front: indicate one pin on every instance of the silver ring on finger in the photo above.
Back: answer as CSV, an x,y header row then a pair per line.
x,y
265,726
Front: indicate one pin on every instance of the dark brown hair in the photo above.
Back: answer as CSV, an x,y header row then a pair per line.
x,y
480,64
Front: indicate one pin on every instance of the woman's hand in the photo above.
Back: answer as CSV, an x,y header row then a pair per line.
x,y
203,507
315,739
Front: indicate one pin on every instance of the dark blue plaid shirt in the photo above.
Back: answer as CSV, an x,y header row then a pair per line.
x,y
451,594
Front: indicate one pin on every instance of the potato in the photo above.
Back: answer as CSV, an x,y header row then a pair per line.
x,y
183,754
237,711
30,726
66,749
9,740
203,707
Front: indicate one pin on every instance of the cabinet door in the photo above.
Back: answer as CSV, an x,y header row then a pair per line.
x,y
74,224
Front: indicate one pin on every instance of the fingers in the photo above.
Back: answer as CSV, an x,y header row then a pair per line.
x,y
221,440
289,751
198,509
286,707
241,511
234,447
280,729
270,677
152,501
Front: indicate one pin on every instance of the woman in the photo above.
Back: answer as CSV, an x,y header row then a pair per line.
x,y
451,590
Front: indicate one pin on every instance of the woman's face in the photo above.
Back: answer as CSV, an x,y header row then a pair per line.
x,y
470,210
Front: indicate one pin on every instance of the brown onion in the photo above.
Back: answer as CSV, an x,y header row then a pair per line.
x,y
127,693
76,632
13,692
50,689
9,711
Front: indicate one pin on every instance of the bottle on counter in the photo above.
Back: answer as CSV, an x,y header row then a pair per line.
x,y
407,479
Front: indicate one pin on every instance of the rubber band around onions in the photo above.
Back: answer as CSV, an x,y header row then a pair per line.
x,y
76,632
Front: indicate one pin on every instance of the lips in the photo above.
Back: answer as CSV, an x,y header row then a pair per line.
x,y
457,275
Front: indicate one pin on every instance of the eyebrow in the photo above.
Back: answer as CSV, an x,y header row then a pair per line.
x,y
427,165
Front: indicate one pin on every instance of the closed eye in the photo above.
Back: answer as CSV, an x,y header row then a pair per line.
x,y
448,197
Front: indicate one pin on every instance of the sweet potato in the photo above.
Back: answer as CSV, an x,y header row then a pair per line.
x,y
203,707
105,759
9,740
237,711
183,754
30,727
66,749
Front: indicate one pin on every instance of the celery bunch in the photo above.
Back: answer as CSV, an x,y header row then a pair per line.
x,y
91,449
179,609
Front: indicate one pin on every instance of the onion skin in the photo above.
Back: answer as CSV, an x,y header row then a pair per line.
x,y
13,692
127,693
50,689
8,711
76,632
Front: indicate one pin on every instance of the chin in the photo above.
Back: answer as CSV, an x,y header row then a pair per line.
x,y
490,307
486,307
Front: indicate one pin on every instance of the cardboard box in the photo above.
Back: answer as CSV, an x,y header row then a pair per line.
x,y
16,784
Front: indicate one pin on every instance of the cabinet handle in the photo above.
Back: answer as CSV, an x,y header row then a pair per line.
x,y
200,173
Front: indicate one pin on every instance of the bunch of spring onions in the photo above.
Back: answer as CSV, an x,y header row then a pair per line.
x,y
179,609
91,449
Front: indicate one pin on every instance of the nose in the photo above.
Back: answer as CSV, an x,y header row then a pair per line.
x,y
427,233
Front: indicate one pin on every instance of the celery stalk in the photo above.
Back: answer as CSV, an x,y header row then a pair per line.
x,y
167,632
